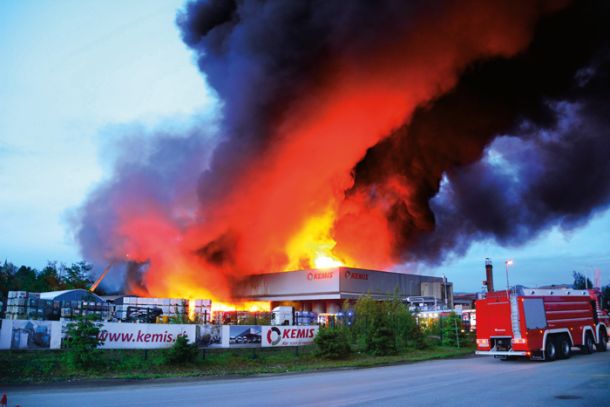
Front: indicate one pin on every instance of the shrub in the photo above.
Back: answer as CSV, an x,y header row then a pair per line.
x,y
401,322
452,330
418,338
368,315
383,342
333,343
82,342
391,320
181,352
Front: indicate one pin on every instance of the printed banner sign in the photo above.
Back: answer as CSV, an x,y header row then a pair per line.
x,y
210,336
291,335
30,335
143,336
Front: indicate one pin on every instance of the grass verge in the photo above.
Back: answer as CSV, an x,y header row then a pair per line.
x,y
29,367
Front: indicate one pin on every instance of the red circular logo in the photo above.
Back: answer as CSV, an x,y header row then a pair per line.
x,y
270,336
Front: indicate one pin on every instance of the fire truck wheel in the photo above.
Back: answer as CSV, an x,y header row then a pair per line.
x,y
602,346
550,350
564,350
589,345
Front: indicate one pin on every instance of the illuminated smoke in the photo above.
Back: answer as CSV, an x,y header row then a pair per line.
x,y
550,102
340,121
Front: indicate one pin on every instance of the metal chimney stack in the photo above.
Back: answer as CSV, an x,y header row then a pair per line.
x,y
489,275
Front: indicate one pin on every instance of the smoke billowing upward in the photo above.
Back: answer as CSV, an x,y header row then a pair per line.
x,y
551,170
368,133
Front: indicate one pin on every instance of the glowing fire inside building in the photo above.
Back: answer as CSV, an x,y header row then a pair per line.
x,y
339,148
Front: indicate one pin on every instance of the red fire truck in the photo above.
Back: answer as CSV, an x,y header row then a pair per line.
x,y
542,324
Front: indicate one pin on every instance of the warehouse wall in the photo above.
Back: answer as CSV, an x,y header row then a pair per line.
x,y
335,284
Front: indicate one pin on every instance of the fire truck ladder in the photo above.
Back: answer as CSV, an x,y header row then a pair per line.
x,y
514,317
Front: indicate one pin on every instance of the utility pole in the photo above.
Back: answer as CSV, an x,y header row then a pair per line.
x,y
508,263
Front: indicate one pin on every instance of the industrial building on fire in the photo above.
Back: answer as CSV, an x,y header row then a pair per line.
x,y
325,290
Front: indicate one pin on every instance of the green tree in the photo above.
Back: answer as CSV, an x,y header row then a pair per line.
x,y
48,279
76,275
452,330
367,319
7,278
82,341
383,341
581,282
378,322
333,343
181,352
404,326
51,278
25,279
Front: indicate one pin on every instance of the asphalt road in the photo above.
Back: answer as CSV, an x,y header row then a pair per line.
x,y
583,380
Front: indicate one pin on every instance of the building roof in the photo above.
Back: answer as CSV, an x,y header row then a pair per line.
x,y
77,294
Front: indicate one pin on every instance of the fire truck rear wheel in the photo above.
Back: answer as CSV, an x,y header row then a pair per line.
x,y
602,346
589,344
550,350
564,348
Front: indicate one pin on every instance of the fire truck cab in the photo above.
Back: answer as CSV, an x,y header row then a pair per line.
x,y
542,324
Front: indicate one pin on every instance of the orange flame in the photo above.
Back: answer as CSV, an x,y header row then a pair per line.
x,y
191,309
289,209
313,246
252,306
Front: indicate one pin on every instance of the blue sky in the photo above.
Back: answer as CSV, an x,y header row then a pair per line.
x,y
72,69
69,70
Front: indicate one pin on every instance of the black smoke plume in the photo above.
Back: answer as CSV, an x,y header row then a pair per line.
x,y
547,109
510,145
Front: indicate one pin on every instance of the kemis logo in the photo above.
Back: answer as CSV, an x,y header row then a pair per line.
x,y
275,334
324,275
354,275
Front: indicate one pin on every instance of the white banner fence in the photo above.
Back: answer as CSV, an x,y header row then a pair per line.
x,y
35,334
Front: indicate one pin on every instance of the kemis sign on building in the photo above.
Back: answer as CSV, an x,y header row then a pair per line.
x,y
320,275
355,275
